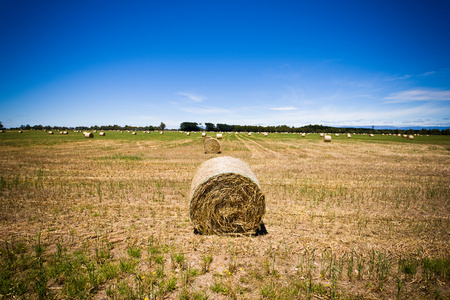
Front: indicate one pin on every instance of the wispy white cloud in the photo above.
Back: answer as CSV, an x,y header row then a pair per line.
x,y
419,95
284,108
414,75
192,96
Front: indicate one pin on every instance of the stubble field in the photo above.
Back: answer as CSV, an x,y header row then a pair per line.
x,y
108,218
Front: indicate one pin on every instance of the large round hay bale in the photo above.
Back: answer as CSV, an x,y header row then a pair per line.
x,y
226,198
211,146
327,138
88,135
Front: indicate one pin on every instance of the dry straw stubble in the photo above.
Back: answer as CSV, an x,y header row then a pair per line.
x,y
226,198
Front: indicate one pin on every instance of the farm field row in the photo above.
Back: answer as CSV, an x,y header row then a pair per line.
x,y
364,217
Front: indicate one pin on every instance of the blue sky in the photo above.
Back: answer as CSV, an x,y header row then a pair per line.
x,y
338,63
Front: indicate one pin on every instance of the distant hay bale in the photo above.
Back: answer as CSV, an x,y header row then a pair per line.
x,y
349,135
133,133
188,133
249,134
162,132
88,135
218,136
321,134
303,135
65,132
327,138
410,137
371,135
1,131
336,134
265,134
50,132
211,146
226,198
203,134
20,131
102,134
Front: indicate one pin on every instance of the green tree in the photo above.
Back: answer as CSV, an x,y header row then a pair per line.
x,y
162,126
189,126
1,125
210,127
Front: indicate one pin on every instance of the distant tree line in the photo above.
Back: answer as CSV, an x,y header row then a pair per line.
x,y
220,127
162,126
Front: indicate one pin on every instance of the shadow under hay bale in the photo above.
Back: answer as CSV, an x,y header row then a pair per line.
x,y
211,146
226,199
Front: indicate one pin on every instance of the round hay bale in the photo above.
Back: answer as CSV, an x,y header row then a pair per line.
x,y
88,135
65,132
203,134
336,134
349,135
410,137
20,131
303,135
226,198
188,133
134,133
50,132
211,146
249,134
327,138
102,134
162,132
218,136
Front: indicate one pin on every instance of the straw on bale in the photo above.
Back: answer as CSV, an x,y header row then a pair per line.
x,y
327,138
211,146
102,134
226,198
88,135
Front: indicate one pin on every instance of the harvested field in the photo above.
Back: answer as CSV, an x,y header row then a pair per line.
x,y
366,217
